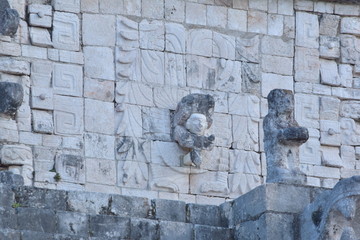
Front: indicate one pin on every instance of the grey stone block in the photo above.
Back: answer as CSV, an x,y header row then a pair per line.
x,y
7,196
282,198
8,234
73,223
204,215
109,226
88,202
129,206
144,229
9,178
211,233
30,235
268,226
8,218
169,210
175,231
38,220
11,96
41,198
226,212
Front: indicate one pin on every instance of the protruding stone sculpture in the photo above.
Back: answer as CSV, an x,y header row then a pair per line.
x,y
282,138
9,19
11,97
334,214
192,118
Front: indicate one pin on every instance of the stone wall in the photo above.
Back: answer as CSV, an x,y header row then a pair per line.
x,y
102,80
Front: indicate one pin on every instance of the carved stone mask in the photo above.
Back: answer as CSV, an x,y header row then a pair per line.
x,y
197,123
281,101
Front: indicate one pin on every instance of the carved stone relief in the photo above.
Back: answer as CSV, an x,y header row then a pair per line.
x,y
282,138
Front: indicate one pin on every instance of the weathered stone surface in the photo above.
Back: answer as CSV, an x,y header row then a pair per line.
x,y
68,115
72,223
192,118
282,138
336,209
350,25
71,168
204,215
329,25
9,19
11,95
175,230
248,48
349,52
110,226
37,219
169,210
307,65
16,155
66,31
42,122
329,47
40,15
9,178
307,30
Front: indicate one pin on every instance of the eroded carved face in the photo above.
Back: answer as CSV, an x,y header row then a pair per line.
x,y
197,123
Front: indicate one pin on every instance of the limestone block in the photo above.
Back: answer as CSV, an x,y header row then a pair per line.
x,y
12,66
307,110
216,160
52,141
87,202
42,98
30,138
348,156
251,77
99,146
307,30
278,65
175,10
330,133
329,108
346,75
329,25
71,168
349,52
156,124
67,80
99,116
277,46
245,133
128,33
307,65
241,4
134,93
68,115
175,70
170,179
347,9
222,129
10,49
237,20
67,5
245,162
329,73
241,183
128,121
275,25
98,30
16,155
271,81
199,42
41,73
175,37
205,215
223,46
40,15
153,9
350,109
321,171
101,171
175,230
329,47
99,63
90,6
244,105
248,49
195,13
324,7
258,4
289,26
257,22
350,132
72,143
285,7
132,174
209,183
216,16
53,54
304,5
166,153
133,149
111,6
152,35
74,223
330,157
66,30
40,37
346,93
98,89
214,74
42,122
34,52
309,152
152,67
168,97
128,64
